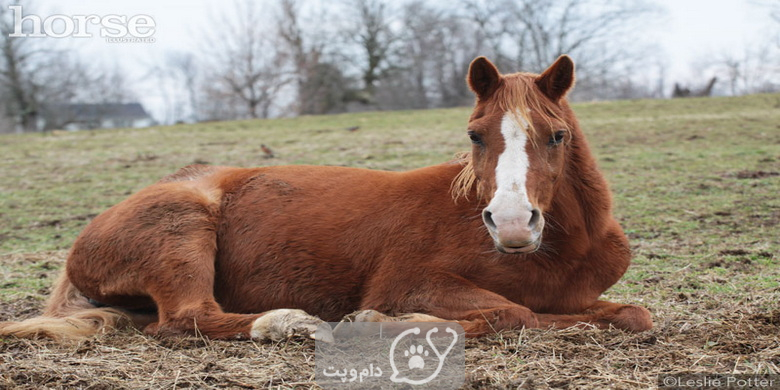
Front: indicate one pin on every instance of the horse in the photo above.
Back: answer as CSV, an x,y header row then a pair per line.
x,y
517,232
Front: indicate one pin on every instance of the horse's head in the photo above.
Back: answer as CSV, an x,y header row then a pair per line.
x,y
520,129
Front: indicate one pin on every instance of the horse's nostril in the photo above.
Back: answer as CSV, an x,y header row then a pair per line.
x,y
487,216
535,214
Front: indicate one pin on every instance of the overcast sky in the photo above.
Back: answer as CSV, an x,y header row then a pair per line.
x,y
691,30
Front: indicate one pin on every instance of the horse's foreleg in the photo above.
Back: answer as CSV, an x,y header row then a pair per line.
x,y
452,298
603,315
477,322
481,312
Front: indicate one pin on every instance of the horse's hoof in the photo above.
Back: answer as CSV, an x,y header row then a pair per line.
x,y
368,316
280,324
375,316
343,330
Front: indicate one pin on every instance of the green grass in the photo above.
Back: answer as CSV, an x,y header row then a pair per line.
x,y
672,163
51,185
676,167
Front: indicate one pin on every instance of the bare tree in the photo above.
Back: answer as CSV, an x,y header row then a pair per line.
x,y
449,67
550,28
370,30
773,6
756,70
303,56
494,26
600,34
429,47
321,86
775,15
177,80
433,50
18,66
418,46
38,80
245,66
776,12
184,68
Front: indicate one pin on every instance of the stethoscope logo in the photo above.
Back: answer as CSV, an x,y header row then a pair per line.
x,y
415,355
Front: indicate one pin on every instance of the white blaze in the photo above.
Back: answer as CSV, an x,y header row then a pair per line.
x,y
511,197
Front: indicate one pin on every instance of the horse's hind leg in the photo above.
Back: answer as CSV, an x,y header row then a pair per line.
x,y
183,292
158,247
185,302
191,309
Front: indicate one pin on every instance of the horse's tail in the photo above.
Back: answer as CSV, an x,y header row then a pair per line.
x,y
69,315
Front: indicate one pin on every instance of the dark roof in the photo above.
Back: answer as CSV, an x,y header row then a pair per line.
x,y
85,112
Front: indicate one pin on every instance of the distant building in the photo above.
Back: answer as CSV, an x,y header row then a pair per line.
x,y
96,116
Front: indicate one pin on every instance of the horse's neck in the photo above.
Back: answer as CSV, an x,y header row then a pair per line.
x,y
584,200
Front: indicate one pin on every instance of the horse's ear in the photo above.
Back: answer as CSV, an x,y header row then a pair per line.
x,y
483,77
557,79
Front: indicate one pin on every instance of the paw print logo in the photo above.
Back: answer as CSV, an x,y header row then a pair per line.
x,y
416,360
417,354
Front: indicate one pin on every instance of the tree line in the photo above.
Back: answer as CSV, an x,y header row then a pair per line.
x,y
378,54
38,80
299,57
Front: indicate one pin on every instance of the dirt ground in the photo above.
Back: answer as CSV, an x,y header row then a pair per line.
x,y
706,336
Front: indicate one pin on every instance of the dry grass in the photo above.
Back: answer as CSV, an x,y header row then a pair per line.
x,y
693,334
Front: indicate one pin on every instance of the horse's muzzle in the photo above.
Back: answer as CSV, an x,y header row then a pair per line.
x,y
518,233
530,248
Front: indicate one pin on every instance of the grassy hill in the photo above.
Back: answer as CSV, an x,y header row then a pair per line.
x,y
695,181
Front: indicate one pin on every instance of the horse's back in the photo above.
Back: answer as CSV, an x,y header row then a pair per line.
x,y
311,237
288,236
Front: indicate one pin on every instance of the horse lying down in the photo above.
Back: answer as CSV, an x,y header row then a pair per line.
x,y
516,233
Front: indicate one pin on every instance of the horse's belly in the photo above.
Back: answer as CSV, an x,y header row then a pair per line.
x,y
274,282
282,245
313,237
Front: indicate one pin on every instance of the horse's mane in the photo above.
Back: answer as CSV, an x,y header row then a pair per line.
x,y
519,96
465,180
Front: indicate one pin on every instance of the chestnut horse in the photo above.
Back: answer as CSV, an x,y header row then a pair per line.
x,y
516,233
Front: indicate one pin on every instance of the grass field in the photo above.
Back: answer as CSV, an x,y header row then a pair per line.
x,y
696,185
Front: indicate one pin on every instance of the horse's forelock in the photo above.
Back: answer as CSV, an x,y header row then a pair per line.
x,y
518,95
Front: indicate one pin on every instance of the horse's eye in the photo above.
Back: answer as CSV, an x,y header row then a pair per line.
x,y
475,138
557,138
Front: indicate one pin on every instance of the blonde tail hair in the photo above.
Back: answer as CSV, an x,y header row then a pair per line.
x,y
68,316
